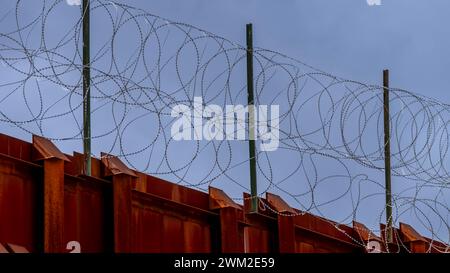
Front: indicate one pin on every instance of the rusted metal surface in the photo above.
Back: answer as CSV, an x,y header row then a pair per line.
x,y
18,249
177,193
415,241
364,233
3,249
141,182
76,165
48,203
53,193
122,206
258,239
410,234
303,232
285,220
219,199
53,197
114,166
122,184
229,230
164,225
395,245
87,207
12,248
15,147
19,182
45,149
260,232
229,221
286,234
368,238
322,232
279,204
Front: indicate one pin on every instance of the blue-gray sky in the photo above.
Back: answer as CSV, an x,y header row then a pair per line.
x,y
347,38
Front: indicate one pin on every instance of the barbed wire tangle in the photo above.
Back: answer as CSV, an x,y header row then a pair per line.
x,y
330,156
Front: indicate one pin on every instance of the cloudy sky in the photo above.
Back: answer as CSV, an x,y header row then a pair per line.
x,y
353,39
349,38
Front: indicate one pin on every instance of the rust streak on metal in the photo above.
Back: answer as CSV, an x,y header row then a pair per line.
x,y
53,205
279,204
122,206
219,199
53,189
285,221
45,149
113,166
364,233
417,243
410,234
122,182
229,230
141,182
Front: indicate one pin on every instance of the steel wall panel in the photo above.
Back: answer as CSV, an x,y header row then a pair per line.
x,y
19,205
85,219
159,216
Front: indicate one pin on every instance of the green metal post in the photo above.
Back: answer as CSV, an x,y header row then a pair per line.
x,y
251,121
387,156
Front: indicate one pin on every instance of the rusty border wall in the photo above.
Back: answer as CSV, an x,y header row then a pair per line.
x,y
46,202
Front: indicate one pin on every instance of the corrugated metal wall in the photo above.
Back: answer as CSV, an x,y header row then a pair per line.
x,y
46,202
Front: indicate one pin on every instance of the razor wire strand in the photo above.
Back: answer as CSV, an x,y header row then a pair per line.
x,y
143,65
